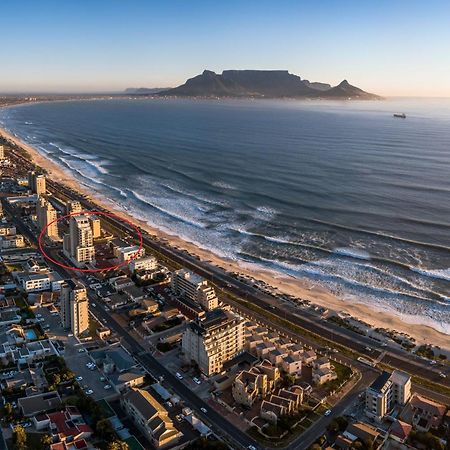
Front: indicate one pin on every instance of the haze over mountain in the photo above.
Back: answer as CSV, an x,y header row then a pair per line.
x,y
263,83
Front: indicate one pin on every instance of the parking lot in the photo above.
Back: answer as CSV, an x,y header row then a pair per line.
x,y
75,355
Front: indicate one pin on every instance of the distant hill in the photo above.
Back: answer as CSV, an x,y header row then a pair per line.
x,y
262,83
144,91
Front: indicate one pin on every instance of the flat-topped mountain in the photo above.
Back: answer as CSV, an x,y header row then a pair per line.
x,y
263,83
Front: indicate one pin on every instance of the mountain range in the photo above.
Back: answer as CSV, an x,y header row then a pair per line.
x,y
262,84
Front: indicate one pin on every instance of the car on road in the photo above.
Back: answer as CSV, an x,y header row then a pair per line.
x,y
169,404
94,305
433,362
79,378
179,376
107,386
327,412
89,392
251,447
203,410
196,380
102,379
442,375
81,350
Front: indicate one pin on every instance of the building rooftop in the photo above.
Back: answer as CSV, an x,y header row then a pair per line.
x,y
380,382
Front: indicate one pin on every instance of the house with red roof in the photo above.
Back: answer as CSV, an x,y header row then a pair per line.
x,y
67,427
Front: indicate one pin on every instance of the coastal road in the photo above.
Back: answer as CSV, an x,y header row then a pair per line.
x,y
395,357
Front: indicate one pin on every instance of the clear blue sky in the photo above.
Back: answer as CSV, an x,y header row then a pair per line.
x,y
396,47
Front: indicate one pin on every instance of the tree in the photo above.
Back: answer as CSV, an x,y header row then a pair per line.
x,y
118,445
19,438
46,440
104,429
8,411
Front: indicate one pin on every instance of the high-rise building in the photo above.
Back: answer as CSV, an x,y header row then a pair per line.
x,y
95,225
213,340
2,152
79,242
74,307
195,288
46,214
73,207
387,391
37,183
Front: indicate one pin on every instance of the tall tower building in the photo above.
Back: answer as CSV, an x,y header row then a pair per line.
x,y
95,225
74,307
46,214
79,242
37,183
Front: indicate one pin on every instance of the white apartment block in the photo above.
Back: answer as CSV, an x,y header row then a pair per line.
x,y
79,242
148,263
37,183
213,340
74,307
7,230
73,207
387,391
195,288
126,254
46,217
16,241
37,282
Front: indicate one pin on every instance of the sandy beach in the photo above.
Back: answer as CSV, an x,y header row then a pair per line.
x,y
302,288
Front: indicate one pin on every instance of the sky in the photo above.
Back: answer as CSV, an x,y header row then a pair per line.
x,y
396,47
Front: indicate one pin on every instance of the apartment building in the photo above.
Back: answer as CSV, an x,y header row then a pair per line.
x,y
37,183
46,217
96,226
16,241
79,242
212,340
387,391
150,417
74,307
73,207
148,263
195,288
7,229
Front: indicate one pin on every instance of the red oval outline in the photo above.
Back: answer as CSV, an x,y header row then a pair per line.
x,y
96,213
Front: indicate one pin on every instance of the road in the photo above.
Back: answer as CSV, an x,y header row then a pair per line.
x,y
219,424
396,357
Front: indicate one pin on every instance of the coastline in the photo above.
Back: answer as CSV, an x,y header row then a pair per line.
x,y
303,288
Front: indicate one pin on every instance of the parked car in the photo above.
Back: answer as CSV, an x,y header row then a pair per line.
x,y
203,410
107,386
89,392
327,412
179,376
196,380
79,378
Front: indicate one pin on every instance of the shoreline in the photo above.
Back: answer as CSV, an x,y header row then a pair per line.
x,y
303,288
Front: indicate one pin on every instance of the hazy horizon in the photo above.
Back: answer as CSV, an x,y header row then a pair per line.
x,y
108,46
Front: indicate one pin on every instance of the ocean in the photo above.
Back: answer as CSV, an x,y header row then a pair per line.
x,y
342,193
